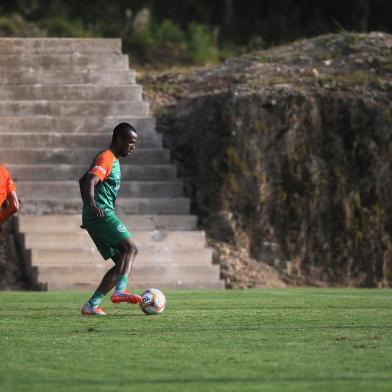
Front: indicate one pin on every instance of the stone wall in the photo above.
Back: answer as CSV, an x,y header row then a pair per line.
x,y
298,171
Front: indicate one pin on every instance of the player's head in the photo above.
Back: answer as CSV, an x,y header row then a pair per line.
x,y
124,139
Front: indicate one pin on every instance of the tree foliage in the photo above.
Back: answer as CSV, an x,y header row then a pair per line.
x,y
189,30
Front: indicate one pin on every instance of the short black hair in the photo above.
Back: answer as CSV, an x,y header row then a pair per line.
x,y
122,130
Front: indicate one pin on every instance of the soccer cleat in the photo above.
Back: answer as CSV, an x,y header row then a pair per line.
x,y
125,296
89,310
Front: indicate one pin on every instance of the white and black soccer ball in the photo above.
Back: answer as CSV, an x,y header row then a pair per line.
x,y
154,302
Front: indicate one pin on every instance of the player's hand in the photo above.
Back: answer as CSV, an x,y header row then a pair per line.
x,y
5,204
96,212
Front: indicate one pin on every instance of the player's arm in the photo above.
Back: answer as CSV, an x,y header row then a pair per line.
x,y
87,185
9,206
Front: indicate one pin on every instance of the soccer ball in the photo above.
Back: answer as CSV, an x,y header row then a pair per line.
x,y
154,302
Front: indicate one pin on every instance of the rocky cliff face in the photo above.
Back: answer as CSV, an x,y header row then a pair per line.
x,y
287,153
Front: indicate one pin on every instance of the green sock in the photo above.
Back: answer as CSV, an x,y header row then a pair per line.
x,y
121,282
96,299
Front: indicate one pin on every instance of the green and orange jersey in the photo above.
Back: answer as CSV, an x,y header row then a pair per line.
x,y
6,184
107,168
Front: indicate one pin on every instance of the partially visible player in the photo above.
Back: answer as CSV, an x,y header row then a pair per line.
x,y
99,188
9,203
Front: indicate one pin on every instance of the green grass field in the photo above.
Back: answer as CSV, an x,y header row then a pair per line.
x,y
252,340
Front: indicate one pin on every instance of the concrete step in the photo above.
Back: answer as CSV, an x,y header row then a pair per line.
x,y
73,124
71,140
63,278
30,190
74,108
156,273
74,172
139,206
70,223
90,258
60,45
156,240
78,156
64,61
53,77
76,92
141,285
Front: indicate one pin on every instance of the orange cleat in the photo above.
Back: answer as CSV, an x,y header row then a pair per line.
x,y
125,296
89,310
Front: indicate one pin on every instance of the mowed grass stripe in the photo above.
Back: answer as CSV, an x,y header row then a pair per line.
x,y
250,340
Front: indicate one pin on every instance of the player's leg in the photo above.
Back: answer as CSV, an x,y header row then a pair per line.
x,y
108,281
127,251
92,306
8,207
112,240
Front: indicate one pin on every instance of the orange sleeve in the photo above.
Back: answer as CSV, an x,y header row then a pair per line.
x,y
10,185
6,184
102,165
6,180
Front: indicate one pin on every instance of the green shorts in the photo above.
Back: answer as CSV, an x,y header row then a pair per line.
x,y
106,233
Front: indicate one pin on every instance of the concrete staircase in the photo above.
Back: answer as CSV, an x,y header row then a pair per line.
x,y
59,101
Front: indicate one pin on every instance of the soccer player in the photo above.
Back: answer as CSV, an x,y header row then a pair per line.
x,y
8,198
99,187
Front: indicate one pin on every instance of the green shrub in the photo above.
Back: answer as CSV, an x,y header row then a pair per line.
x,y
202,47
16,26
141,44
60,26
148,42
168,34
